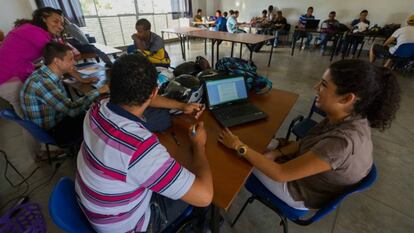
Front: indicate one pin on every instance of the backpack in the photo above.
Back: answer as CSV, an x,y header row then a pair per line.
x,y
254,82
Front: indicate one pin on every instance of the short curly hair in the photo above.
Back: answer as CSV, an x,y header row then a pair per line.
x,y
377,90
133,79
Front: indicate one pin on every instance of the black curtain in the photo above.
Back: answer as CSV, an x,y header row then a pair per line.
x,y
181,8
71,9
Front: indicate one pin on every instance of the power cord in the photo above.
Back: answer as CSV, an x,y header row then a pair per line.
x,y
24,197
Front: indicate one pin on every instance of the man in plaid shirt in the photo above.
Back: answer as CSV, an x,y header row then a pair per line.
x,y
45,102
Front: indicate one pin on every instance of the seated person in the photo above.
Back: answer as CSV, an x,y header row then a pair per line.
x,y
279,26
232,24
150,44
359,25
256,21
46,103
225,14
328,28
301,25
401,36
337,153
126,180
220,22
199,16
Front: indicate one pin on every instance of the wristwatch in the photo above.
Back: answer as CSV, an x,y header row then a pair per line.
x,y
241,150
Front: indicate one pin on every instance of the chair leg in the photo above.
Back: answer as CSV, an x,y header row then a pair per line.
x,y
48,154
248,201
284,223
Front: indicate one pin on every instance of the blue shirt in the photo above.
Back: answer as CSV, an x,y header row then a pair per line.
x,y
231,24
221,24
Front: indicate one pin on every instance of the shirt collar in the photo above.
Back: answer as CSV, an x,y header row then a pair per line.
x,y
124,113
49,73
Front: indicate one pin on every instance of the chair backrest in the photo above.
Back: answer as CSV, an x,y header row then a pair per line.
x,y
64,208
365,183
405,50
315,109
40,134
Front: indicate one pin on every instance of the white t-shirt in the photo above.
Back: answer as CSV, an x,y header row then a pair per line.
x,y
404,35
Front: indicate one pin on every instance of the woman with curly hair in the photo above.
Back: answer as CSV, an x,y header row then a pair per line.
x,y
337,153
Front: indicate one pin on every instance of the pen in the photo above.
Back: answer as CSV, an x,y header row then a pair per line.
x,y
193,131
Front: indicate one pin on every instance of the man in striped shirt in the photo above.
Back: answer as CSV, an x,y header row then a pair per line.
x,y
126,180
44,100
301,25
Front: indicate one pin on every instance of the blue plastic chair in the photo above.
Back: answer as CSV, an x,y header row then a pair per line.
x,y
72,219
300,125
261,193
40,134
403,57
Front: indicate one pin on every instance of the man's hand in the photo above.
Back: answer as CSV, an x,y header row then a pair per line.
x,y
104,89
227,138
194,109
200,137
89,80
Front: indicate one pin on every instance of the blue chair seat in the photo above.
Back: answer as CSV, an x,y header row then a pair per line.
x,y
302,128
261,193
257,189
68,216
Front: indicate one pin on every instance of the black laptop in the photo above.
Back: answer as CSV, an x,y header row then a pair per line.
x,y
312,23
227,100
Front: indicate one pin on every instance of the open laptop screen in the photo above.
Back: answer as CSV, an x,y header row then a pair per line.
x,y
225,90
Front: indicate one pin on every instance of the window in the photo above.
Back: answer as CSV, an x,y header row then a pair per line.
x,y
112,22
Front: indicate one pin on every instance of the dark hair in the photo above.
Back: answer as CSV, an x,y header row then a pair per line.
x,y
264,12
270,8
218,11
41,14
225,14
231,12
54,50
364,11
20,22
376,88
310,8
236,12
144,23
133,78
199,11
332,12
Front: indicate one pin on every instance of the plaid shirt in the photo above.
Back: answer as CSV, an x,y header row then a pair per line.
x,y
45,102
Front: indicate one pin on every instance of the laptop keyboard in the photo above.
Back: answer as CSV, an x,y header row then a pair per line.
x,y
236,111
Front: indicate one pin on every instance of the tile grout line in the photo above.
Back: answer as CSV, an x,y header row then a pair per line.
x,y
387,205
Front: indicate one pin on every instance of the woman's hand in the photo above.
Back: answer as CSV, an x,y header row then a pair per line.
x,y
227,138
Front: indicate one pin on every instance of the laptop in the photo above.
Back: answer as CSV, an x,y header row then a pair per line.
x,y
105,58
227,100
312,23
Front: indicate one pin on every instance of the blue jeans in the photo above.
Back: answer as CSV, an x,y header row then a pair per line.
x,y
279,33
301,34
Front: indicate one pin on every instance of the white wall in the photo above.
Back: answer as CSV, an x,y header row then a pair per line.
x,y
380,11
10,10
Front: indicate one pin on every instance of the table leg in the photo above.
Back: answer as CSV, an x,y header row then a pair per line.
x,y
181,44
250,47
232,48
360,49
218,44
301,42
270,56
188,43
184,39
241,48
212,52
205,47
335,46
293,46
215,220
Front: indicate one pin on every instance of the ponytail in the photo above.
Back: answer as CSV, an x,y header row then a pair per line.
x,y
376,88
